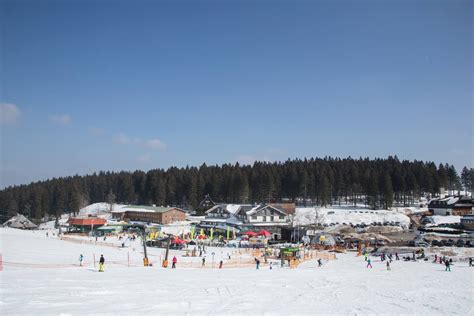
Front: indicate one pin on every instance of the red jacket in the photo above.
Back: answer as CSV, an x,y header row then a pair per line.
x,y
175,260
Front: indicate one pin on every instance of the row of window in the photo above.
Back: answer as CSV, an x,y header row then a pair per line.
x,y
264,218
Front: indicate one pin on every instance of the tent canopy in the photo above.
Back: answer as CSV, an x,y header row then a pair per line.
x,y
263,232
250,233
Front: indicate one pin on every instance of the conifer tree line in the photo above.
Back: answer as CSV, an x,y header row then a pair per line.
x,y
379,183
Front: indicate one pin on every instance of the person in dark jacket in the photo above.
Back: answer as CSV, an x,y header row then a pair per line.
x,y
101,263
448,265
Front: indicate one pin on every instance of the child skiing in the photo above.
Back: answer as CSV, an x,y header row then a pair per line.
x,y
220,264
319,263
81,258
448,266
257,263
388,265
271,263
396,256
101,263
174,261
368,263
203,261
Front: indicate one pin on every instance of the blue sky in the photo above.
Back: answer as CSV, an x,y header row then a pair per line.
x,y
125,85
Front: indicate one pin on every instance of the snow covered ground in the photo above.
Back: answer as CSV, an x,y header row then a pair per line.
x,y
41,275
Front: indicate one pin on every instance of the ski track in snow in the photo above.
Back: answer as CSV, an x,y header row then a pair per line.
x,y
343,286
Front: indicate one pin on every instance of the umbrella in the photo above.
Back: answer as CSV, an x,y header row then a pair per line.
x,y
250,233
263,232
178,241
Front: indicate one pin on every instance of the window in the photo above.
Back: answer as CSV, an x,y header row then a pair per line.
x,y
281,217
264,218
272,218
254,216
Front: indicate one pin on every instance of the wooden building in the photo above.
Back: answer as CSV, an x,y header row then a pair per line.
x,y
84,224
150,214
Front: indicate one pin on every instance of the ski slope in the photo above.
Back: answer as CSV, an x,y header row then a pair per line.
x,y
51,282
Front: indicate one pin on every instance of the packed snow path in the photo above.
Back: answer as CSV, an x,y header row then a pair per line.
x,y
341,286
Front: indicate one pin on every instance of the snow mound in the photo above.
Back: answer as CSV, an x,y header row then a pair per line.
x,y
308,215
446,219
100,208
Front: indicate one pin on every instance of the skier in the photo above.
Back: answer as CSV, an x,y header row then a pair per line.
x,y
470,262
390,257
368,263
448,266
47,234
388,266
366,255
396,256
257,263
101,263
319,263
203,261
436,258
271,265
220,264
174,261
81,258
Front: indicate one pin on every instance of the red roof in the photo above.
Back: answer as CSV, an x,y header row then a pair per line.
x,y
86,221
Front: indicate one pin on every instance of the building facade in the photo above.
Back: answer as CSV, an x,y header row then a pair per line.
x,y
149,214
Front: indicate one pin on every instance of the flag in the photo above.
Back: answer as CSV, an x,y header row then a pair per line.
x,y
212,232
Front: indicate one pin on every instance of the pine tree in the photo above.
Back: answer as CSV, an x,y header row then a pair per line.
x,y
387,191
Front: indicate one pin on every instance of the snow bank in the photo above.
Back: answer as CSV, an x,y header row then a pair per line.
x,y
101,208
438,219
306,216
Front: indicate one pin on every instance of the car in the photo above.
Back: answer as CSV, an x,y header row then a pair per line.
x,y
460,243
449,243
442,243
423,244
435,243
411,243
468,244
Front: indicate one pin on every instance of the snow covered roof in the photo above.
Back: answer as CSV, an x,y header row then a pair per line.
x,y
19,221
232,208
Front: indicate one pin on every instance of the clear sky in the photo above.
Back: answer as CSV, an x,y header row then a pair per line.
x,y
125,85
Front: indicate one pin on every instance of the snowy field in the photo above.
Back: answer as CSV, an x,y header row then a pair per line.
x,y
45,279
